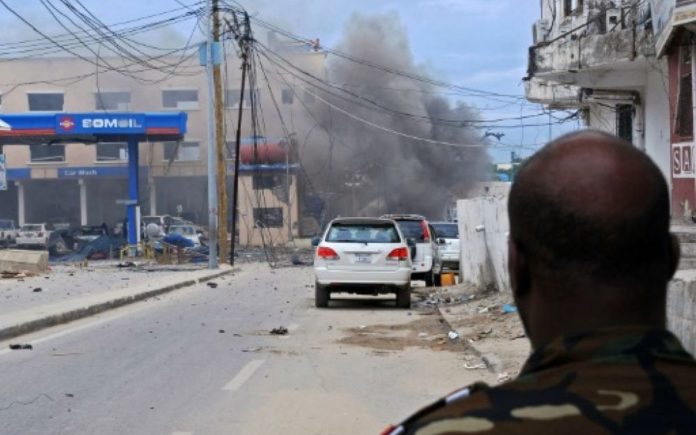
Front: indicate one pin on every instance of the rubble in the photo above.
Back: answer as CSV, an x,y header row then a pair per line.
x,y
21,347
279,331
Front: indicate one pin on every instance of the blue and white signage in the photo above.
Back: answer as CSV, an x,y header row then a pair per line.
x,y
95,123
97,171
3,173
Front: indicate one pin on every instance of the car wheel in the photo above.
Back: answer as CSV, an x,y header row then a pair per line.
x,y
437,279
428,278
403,297
321,296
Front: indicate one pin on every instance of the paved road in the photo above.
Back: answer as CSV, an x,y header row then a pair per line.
x,y
164,366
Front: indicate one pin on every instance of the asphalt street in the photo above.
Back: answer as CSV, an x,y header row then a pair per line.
x,y
202,361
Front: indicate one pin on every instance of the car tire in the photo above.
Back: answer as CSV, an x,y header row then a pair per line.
x,y
437,279
321,296
428,278
403,297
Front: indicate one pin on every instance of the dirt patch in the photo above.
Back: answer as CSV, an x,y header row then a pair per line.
x,y
427,332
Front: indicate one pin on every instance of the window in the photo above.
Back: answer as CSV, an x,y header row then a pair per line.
x,y
47,153
45,102
268,217
231,146
309,97
182,152
572,7
232,98
112,151
266,181
180,99
288,96
363,233
112,100
684,122
624,121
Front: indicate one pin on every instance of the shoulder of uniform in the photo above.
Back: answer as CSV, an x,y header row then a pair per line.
x,y
455,396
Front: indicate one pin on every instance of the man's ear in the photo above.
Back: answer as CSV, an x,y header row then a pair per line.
x,y
675,255
518,268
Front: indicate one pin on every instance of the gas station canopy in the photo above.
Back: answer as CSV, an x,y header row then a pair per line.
x,y
48,128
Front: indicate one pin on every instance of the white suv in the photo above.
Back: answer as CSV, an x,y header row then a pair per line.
x,y
33,235
417,230
362,256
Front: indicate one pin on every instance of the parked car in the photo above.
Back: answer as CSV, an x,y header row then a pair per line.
x,y
88,233
33,235
446,258
8,232
416,228
362,256
155,227
189,232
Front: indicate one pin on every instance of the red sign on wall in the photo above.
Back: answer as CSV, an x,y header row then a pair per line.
x,y
683,160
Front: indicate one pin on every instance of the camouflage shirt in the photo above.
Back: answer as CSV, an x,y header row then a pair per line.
x,y
613,381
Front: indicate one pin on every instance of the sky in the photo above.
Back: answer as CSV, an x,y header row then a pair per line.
x,y
480,44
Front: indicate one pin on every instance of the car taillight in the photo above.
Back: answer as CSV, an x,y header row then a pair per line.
x,y
426,231
400,254
327,253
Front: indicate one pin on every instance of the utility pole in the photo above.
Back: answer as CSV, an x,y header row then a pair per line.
x,y
220,143
244,40
212,154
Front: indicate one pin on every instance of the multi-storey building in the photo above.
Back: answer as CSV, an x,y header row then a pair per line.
x,y
81,183
599,56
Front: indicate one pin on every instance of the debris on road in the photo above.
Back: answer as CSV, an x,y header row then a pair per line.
x,y
126,265
279,331
222,331
475,366
453,335
37,290
503,377
21,347
212,284
509,308
21,274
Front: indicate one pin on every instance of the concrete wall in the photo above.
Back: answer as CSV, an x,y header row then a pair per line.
x,y
681,308
483,232
657,128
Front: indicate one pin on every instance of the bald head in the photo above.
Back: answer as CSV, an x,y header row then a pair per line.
x,y
593,203
589,216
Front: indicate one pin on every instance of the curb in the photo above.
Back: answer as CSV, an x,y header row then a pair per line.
x,y
69,316
489,366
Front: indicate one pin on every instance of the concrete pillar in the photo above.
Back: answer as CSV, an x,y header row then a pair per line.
x,y
83,201
153,197
21,210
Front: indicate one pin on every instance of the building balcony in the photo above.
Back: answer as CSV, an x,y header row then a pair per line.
x,y
582,60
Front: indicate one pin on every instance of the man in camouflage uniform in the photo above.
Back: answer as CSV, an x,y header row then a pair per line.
x,y
590,256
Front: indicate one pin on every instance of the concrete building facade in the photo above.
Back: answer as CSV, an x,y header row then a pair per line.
x,y
81,183
599,57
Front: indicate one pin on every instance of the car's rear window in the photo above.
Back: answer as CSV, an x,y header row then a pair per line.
x,y
412,230
363,233
31,228
447,231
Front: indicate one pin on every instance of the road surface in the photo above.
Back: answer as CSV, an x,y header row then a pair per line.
x,y
202,361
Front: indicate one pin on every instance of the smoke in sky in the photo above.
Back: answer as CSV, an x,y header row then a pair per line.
x,y
366,170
